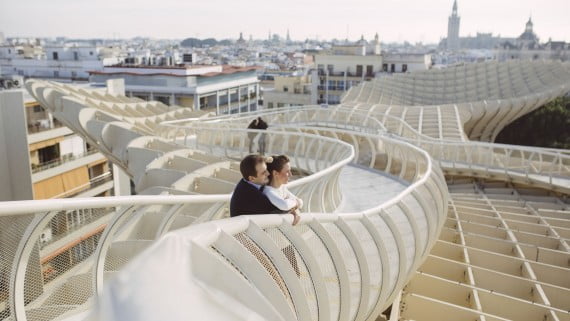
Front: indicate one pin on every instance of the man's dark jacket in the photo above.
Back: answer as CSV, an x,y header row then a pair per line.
x,y
248,200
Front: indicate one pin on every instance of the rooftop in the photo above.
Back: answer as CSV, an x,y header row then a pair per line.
x,y
176,71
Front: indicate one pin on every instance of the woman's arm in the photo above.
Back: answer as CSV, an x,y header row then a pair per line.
x,y
289,195
277,201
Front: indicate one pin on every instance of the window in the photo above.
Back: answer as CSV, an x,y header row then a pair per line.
x,y
56,74
285,88
9,51
37,109
90,53
369,70
75,55
393,68
334,99
359,70
385,67
55,56
269,105
73,74
330,68
163,99
404,67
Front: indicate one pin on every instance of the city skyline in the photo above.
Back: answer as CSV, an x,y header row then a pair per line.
x,y
393,20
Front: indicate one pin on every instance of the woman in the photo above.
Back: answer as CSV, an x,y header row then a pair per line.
x,y
279,174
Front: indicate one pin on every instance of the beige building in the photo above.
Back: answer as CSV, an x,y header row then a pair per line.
x,y
289,91
528,47
347,66
344,67
60,163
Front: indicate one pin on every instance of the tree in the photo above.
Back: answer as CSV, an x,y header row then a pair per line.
x,y
548,126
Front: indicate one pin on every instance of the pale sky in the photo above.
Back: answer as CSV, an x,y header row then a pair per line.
x,y
394,20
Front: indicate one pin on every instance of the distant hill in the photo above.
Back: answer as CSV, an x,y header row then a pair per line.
x,y
198,43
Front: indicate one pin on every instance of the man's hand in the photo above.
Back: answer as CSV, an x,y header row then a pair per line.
x,y
296,218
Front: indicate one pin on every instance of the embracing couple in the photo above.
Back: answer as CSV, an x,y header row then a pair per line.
x,y
262,189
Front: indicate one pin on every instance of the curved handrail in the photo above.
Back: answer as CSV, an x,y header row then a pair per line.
x,y
258,228
487,155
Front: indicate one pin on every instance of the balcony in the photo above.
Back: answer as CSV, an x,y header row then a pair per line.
x,y
65,165
38,128
91,185
88,216
60,161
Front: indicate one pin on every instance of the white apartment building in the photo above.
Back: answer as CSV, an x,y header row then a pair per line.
x,y
220,89
405,62
71,62
46,158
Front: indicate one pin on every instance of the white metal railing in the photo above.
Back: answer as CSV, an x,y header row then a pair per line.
x,y
546,167
517,163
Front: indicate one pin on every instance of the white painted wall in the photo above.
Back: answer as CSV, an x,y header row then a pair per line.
x,y
15,171
72,145
348,63
46,68
415,62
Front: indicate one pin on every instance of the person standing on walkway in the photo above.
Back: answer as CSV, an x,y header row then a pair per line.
x,y
260,124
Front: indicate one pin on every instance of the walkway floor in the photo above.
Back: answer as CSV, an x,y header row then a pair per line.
x,y
364,188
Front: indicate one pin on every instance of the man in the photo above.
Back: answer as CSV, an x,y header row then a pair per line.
x,y
248,197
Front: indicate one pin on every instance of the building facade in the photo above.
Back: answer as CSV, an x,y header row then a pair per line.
x,y
344,67
66,62
221,89
289,91
61,164
528,47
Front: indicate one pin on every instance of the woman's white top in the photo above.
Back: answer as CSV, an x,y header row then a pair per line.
x,y
281,197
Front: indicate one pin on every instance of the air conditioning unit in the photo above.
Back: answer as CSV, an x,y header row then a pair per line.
x,y
13,81
45,236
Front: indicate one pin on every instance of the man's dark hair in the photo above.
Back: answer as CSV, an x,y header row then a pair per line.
x,y
254,123
247,165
